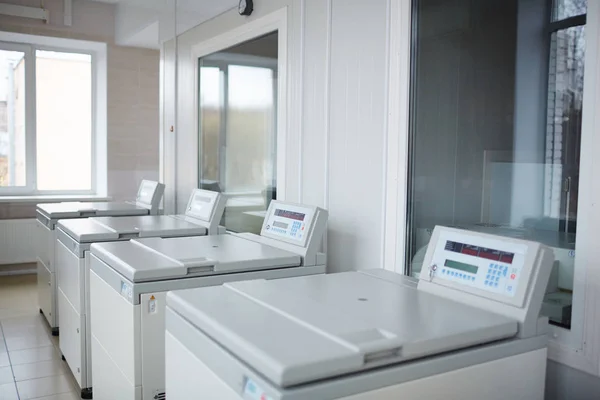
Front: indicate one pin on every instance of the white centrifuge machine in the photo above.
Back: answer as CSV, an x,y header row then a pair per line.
x,y
75,236
129,283
147,202
470,329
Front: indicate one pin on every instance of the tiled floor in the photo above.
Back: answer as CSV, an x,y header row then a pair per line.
x,y
30,362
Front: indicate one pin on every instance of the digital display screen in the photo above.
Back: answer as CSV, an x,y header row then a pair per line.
x,y
202,199
281,225
481,252
472,269
289,214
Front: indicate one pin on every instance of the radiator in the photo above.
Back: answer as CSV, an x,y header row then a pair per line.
x,y
18,241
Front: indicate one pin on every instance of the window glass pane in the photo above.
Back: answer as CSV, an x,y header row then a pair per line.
x,y
64,121
211,108
12,119
238,118
563,9
496,130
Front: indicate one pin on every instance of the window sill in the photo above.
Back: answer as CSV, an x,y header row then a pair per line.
x,y
52,198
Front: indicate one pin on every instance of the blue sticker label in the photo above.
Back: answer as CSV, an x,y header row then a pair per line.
x,y
253,392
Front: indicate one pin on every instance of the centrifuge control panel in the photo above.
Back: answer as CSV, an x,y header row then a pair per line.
x,y
288,222
202,204
494,267
486,268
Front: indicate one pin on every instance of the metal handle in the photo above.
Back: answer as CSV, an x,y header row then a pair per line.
x,y
77,330
432,270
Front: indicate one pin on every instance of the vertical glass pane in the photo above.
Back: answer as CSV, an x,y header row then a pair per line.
x,y
563,9
64,121
496,130
12,119
211,109
238,119
250,129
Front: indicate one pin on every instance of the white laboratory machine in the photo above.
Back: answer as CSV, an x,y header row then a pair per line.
x,y
147,202
468,330
75,236
129,283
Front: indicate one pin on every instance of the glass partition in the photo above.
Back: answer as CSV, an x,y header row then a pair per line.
x,y
496,100
238,129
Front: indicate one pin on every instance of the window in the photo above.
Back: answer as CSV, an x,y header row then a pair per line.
x,y
495,130
63,121
237,129
12,119
46,121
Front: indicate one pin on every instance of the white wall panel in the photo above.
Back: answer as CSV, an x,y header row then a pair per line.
x,y
358,123
315,115
17,241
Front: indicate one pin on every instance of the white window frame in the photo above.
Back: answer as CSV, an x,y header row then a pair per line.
x,y
98,52
577,347
274,22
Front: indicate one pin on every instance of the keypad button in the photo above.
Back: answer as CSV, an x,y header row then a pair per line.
x,y
496,284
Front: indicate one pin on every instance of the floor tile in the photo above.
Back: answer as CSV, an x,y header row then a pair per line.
x,y
34,355
30,320
6,375
38,370
63,396
27,342
4,361
25,331
44,387
8,392
12,313
2,347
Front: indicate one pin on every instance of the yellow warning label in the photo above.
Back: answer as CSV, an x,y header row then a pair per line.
x,y
153,298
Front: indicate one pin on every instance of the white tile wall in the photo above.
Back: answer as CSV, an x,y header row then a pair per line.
x,y
133,119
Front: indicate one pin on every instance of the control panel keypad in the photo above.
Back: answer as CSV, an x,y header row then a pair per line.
x,y
296,230
494,274
496,277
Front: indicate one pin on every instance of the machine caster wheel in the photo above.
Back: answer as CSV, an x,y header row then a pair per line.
x,y
54,331
63,358
41,312
86,393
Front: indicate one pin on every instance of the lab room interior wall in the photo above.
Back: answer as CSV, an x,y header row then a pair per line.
x,y
133,95
336,117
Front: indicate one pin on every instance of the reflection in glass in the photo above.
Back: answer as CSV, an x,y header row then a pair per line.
x,y
12,119
496,130
237,129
